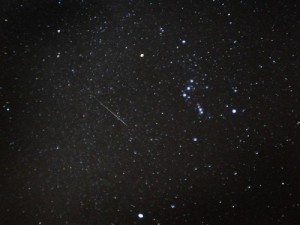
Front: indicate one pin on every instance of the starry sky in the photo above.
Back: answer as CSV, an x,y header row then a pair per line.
x,y
149,112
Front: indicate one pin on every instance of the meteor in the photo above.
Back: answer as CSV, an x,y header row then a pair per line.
x,y
115,115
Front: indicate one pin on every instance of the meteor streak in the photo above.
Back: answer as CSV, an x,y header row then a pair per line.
x,y
117,117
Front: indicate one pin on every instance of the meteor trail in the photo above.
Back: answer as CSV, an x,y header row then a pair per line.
x,y
118,118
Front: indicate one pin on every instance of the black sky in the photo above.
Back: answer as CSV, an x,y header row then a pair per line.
x,y
208,92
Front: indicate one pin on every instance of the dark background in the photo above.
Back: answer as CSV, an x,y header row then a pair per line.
x,y
186,156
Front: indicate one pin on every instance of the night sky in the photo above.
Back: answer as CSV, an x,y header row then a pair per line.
x,y
120,112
